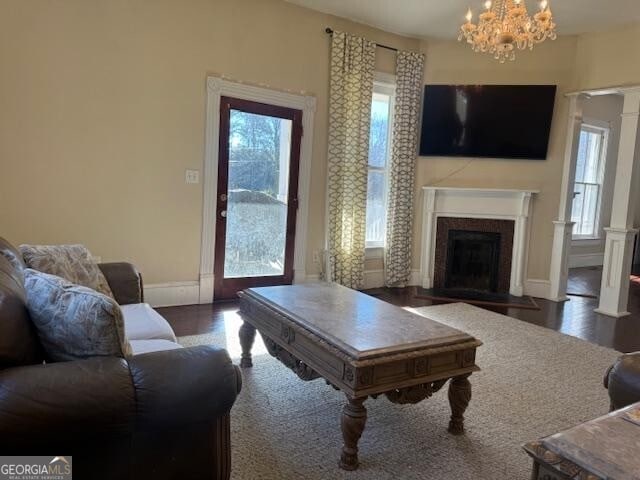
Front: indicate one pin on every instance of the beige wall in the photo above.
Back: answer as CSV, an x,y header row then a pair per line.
x,y
549,63
608,59
103,108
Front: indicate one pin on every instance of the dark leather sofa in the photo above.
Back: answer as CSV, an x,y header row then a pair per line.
x,y
161,415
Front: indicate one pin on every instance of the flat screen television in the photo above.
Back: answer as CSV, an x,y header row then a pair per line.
x,y
494,121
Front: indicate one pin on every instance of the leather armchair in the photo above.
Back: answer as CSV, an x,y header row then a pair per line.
x,y
622,380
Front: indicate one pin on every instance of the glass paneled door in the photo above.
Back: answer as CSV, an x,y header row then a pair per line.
x,y
259,155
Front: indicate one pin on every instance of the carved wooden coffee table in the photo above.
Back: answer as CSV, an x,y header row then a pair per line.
x,y
362,346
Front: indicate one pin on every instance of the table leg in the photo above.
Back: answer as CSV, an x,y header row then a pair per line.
x,y
459,397
247,337
354,418
535,471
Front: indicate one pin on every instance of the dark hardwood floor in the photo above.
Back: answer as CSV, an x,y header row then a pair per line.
x,y
575,317
584,281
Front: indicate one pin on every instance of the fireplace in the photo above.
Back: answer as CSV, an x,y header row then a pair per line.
x,y
472,260
473,254
487,210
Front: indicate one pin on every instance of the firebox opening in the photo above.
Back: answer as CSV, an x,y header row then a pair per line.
x,y
473,260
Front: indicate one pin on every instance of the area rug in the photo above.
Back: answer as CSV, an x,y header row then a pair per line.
x,y
534,382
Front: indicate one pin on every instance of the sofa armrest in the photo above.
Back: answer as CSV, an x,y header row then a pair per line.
x,y
68,403
184,386
58,403
125,282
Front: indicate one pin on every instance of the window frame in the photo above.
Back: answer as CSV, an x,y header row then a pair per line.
x,y
384,84
604,129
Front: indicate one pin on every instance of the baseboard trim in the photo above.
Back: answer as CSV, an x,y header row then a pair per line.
x,y
172,294
311,278
416,278
537,288
612,314
586,260
375,278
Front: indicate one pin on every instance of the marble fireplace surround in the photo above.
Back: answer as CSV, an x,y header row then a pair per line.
x,y
477,203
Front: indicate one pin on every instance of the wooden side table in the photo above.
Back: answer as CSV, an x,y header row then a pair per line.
x,y
601,449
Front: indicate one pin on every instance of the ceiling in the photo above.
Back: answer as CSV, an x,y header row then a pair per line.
x,y
442,18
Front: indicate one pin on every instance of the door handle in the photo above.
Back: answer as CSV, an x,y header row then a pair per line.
x,y
223,197
223,214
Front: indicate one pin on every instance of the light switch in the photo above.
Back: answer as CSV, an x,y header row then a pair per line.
x,y
192,176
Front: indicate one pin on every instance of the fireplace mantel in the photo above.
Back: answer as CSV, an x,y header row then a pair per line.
x,y
490,203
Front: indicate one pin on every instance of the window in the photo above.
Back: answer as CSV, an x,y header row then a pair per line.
x,y
587,196
379,156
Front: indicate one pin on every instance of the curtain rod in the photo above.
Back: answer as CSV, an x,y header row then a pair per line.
x,y
329,30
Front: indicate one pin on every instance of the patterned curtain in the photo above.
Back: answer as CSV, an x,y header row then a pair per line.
x,y
409,73
352,67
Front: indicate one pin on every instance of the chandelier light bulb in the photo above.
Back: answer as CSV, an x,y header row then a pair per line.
x,y
543,4
487,4
469,15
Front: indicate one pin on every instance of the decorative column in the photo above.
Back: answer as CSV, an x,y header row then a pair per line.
x,y
563,227
559,271
520,239
428,236
618,252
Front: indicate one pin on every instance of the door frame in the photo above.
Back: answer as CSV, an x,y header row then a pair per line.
x,y
218,87
224,286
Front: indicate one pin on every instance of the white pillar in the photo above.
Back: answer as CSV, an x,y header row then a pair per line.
x,y
428,236
618,252
520,240
559,271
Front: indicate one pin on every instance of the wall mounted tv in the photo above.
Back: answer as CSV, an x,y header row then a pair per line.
x,y
494,121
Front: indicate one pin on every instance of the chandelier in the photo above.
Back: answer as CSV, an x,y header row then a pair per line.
x,y
506,25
